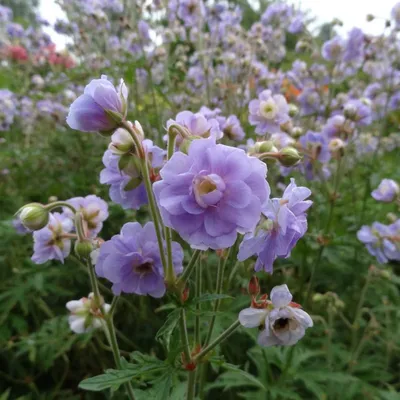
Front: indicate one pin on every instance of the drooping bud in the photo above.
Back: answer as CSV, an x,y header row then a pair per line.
x,y
121,142
254,286
289,157
186,142
83,249
34,216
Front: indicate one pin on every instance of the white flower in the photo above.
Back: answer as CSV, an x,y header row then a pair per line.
x,y
85,314
284,322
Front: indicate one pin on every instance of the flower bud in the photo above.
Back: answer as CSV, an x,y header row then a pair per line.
x,y
297,132
264,147
370,17
254,286
350,111
34,216
289,157
121,142
293,110
83,248
186,142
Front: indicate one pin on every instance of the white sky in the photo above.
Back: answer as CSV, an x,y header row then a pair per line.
x,y
351,12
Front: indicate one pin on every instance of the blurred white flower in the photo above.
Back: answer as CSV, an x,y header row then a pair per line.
x,y
86,314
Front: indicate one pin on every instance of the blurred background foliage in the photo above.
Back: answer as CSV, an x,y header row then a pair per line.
x,y
352,353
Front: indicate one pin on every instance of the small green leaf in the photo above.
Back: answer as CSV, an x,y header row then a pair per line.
x,y
165,332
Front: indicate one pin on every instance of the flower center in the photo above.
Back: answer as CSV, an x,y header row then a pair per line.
x,y
143,269
268,109
281,324
208,189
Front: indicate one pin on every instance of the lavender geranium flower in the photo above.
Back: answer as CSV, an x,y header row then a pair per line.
x,y
316,148
86,314
191,11
196,125
387,191
94,211
333,49
231,127
211,194
50,242
268,112
381,241
276,237
358,111
355,44
131,261
100,107
283,322
126,186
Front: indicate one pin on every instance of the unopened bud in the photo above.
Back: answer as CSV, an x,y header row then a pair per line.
x,y
289,157
264,147
186,142
317,297
350,111
254,286
121,142
293,110
370,17
34,216
297,132
83,248
392,217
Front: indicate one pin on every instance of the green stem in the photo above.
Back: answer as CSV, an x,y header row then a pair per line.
x,y
191,385
188,270
197,295
113,305
224,335
218,290
149,190
57,204
184,336
114,346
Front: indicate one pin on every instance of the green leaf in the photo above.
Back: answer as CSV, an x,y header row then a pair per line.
x,y
165,332
113,378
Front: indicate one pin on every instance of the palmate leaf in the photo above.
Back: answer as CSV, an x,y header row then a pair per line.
x,y
113,379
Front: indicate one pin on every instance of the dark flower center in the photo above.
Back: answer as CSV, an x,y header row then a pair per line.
x,y
281,324
144,269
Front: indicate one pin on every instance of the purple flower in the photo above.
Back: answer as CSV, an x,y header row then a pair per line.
x,y
196,125
359,112
49,242
332,50
191,12
268,112
354,49
231,127
100,107
276,237
143,29
381,240
131,261
94,211
126,186
316,147
310,101
395,13
387,191
211,194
